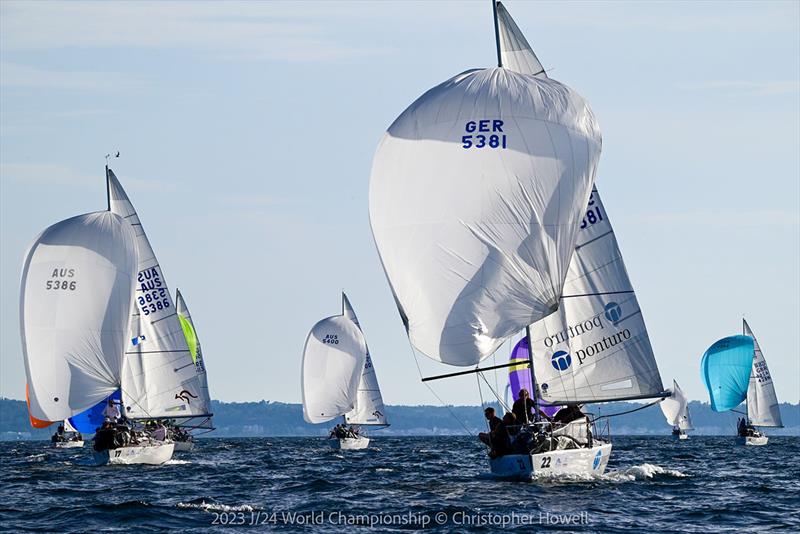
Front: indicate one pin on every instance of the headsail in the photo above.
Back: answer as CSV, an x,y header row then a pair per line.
x,y
369,408
515,52
159,379
725,369
75,301
68,426
476,196
595,347
190,333
333,359
676,408
762,402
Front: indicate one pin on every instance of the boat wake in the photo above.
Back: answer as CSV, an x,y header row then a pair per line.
x,y
630,474
216,507
177,462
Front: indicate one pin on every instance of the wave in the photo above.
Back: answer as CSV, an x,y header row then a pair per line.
x,y
217,507
630,474
177,462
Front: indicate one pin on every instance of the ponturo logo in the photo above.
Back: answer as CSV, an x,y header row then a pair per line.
x,y
561,360
613,312
597,458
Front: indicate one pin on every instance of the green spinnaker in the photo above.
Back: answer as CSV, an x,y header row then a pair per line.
x,y
191,338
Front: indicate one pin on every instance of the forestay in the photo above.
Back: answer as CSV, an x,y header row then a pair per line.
x,y
676,408
369,408
75,300
725,369
159,379
333,359
595,347
476,195
190,333
762,402
515,52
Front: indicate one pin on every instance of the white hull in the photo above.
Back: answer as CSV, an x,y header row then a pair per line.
x,y
155,454
683,436
349,444
752,440
67,444
184,446
553,463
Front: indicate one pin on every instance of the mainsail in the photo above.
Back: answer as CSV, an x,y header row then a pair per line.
x,y
725,369
476,197
75,300
159,378
595,347
369,409
515,52
676,408
762,402
333,359
190,333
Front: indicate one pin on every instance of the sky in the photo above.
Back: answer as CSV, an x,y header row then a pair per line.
x,y
247,132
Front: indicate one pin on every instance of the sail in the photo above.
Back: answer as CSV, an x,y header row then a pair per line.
x,y
762,402
519,376
75,300
676,408
88,421
68,426
159,378
369,408
476,195
190,333
515,52
333,360
725,369
35,423
595,347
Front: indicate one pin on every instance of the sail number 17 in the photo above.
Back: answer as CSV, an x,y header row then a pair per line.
x,y
484,133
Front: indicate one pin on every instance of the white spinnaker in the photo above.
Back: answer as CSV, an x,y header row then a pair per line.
x,y
762,402
333,359
369,408
75,301
595,347
159,378
476,195
676,408
196,350
515,52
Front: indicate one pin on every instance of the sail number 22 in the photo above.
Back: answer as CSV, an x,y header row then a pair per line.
x,y
484,133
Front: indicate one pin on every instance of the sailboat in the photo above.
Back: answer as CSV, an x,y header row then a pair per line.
x,y
339,379
182,438
676,410
734,370
162,378
78,282
70,438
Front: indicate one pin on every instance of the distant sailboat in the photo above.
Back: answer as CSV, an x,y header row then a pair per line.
x,y
70,438
734,371
676,410
338,379
78,282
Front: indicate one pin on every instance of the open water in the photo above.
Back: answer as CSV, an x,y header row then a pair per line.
x,y
705,484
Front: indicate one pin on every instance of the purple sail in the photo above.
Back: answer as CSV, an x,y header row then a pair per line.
x,y
519,376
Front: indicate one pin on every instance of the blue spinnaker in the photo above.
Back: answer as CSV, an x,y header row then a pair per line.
x,y
725,369
88,421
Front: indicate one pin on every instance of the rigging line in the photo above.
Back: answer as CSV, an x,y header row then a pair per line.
x,y
419,370
630,411
496,396
597,294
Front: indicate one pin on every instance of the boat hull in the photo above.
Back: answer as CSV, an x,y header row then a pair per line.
x,y
140,454
683,436
752,440
184,446
349,444
553,463
67,444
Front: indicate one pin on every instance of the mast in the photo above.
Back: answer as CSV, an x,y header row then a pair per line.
x,y
108,188
497,33
535,392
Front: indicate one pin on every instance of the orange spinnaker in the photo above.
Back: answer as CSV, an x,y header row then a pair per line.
x,y
35,423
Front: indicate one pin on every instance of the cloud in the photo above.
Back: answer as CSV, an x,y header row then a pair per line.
x,y
745,87
228,30
16,75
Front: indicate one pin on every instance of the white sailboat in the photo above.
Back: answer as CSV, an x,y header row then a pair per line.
x,y
78,282
161,378
676,411
518,250
762,401
71,438
336,381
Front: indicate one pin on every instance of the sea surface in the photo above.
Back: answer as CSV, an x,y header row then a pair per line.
x,y
704,484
